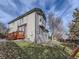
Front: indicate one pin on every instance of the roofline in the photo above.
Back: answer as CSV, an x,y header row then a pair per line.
x,y
38,10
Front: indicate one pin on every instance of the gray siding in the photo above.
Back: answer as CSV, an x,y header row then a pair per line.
x,y
41,35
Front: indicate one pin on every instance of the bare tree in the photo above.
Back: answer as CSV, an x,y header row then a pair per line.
x,y
55,26
3,28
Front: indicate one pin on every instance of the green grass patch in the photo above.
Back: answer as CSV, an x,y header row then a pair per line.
x,y
22,44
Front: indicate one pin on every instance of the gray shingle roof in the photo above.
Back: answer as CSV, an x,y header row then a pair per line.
x,y
29,12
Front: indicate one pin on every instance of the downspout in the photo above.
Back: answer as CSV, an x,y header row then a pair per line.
x,y
35,28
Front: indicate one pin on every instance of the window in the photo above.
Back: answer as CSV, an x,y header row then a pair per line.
x,y
40,31
40,20
22,20
22,28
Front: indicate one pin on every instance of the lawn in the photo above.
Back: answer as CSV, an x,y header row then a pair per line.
x,y
35,51
22,44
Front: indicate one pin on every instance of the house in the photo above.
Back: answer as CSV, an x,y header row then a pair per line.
x,y
33,24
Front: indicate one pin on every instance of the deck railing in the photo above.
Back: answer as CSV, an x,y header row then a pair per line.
x,y
16,35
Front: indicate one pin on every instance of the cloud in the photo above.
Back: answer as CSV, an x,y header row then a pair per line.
x,y
68,14
4,17
10,9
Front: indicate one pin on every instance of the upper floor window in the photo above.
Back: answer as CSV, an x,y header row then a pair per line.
x,y
42,21
20,22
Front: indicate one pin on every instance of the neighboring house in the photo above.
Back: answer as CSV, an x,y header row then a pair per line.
x,y
33,24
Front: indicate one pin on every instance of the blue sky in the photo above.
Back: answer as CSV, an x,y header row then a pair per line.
x,y
10,9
